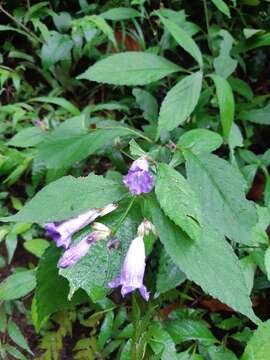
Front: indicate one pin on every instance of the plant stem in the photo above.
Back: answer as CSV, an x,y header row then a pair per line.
x,y
119,223
19,24
207,22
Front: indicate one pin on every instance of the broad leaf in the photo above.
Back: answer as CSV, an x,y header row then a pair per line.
x,y
28,137
258,347
102,264
64,148
183,39
52,289
178,200
130,68
17,285
200,141
257,116
187,329
169,275
225,103
211,262
179,102
68,197
221,192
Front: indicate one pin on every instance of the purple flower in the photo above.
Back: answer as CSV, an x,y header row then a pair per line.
x,y
138,179
132,273
61,232
76,251
79,250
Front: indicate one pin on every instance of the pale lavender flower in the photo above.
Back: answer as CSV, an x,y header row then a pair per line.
x,y
72,255
138,179
132,273
61,232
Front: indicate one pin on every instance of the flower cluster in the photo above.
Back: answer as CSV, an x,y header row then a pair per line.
x,y
139,181
62,233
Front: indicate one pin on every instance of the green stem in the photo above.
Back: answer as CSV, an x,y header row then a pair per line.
x,y
119,223
19,24
207,22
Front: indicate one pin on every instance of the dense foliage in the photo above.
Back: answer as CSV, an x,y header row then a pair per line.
x,y
151,119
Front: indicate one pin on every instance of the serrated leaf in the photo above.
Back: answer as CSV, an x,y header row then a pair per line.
x,y
169,275
52,289
258,347
225,103
101,264
183,39
179,102
211,262
220,353
17,285
178,200
67,147
200,141
68,197
221,192
130,68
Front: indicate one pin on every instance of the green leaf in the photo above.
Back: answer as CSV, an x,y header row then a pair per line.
x,y
17,285
221,192
93,272
36,246
69,197
105,330
220,353
161,342
69,146
224,64
130,68
211,262
200,141
169,275
241,87
28,137
52,289
62,21
222,6
147,103
258,347
179,102
57,48
120,13
183,39
14,352
258,116
225,103
178,200
186,330
62,102
267,262
100,23
15,334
